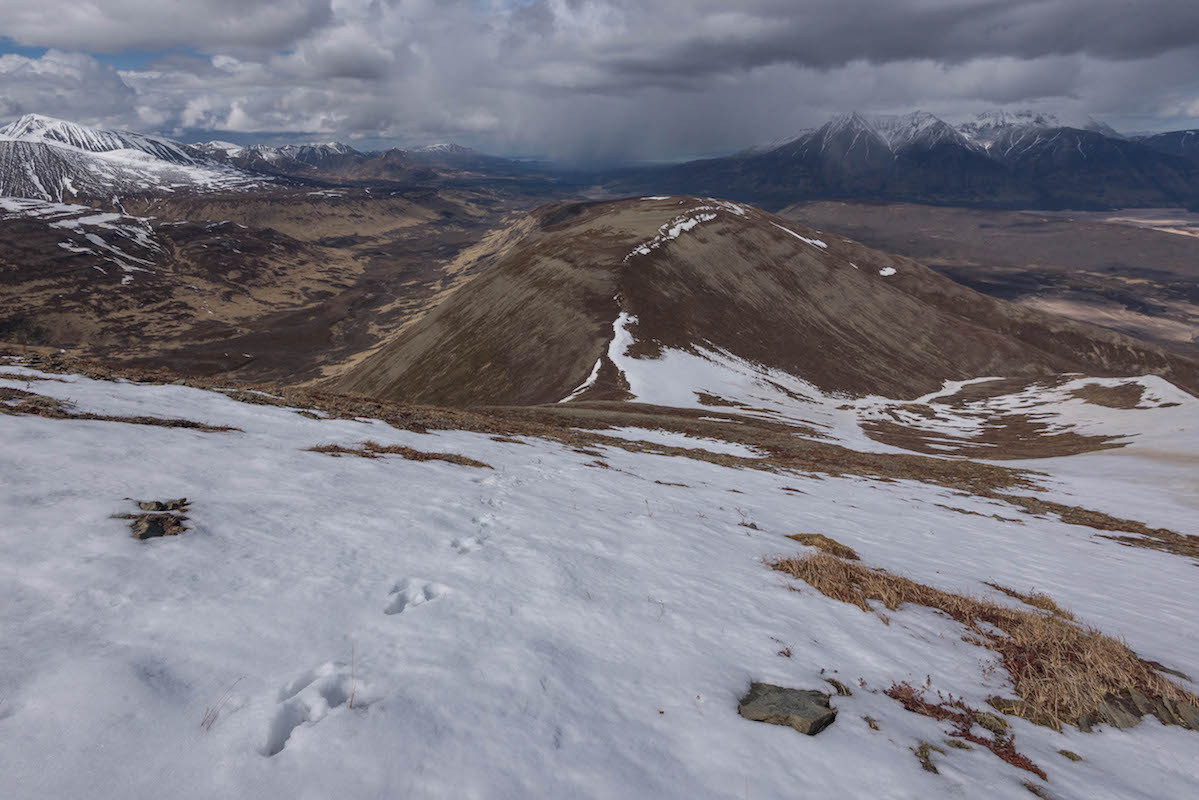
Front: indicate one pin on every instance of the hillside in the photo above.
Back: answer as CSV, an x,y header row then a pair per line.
x,y
262,285
578,288
1137,273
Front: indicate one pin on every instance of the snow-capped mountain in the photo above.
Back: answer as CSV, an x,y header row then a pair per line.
x,y
1013,159
918,129
1178,143
218,148
48,130
283,159
51,159
989,126
444,148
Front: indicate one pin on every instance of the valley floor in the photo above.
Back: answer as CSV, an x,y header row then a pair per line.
x,y
534,619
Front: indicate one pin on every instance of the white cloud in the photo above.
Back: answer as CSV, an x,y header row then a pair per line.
x,y
63,84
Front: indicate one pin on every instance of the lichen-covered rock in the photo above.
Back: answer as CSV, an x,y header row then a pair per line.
x,y
805,710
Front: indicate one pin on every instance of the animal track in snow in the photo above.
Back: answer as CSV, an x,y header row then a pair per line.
x,y
411,592
309,699
467,544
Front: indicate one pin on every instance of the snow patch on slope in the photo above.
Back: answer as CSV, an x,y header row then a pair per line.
x,y
817,243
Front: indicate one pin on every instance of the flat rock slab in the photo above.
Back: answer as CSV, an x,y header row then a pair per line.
x,y
805,710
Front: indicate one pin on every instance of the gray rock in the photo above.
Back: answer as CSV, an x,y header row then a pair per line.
x,y
805,710
152,526
1188,714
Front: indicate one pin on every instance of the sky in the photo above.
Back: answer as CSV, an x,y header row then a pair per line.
x,y
588,81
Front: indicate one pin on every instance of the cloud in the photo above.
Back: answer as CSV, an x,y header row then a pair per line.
x,y
63,84
611,79
107,26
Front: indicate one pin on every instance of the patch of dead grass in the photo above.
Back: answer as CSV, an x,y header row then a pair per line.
x,y
1035,599
707,399
374,450
1125,395
963,719
1063,671
826,544
18,402
1163,539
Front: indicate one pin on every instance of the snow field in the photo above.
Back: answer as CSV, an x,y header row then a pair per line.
x,y
542,628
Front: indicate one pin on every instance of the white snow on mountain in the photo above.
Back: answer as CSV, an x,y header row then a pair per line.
x,y
895,134
989,126
368,627
38,128
918,129
217,147
49,159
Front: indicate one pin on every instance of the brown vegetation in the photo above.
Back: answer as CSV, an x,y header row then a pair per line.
x,y
1035,599
828,545
17,402
1063,672
1126,395
964,719
374,450
1003,437
1163,539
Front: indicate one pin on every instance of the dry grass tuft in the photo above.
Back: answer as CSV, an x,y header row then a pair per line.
x,y
924,754
964,719
27,378
374,450
1163,539
826,544
1035,599
1063,672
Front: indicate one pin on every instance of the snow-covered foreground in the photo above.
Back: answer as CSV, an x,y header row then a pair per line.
x,y
544,628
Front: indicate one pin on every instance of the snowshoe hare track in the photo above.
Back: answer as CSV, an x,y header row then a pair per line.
x,y
309,699
411,592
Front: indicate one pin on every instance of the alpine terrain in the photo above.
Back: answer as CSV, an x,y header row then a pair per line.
x,y
864,464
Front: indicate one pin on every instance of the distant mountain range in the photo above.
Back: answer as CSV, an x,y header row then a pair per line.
x,y
1020,160
44,158
998,159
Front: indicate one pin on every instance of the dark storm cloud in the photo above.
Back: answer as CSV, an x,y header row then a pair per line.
x,y
600,79
106,26
832,33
